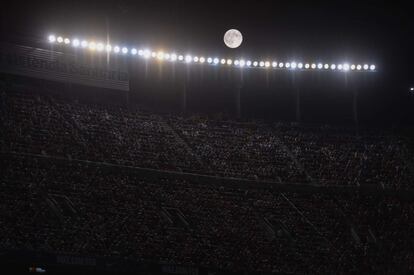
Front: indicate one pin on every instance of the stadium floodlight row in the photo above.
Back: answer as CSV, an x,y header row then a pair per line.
x,y
174,57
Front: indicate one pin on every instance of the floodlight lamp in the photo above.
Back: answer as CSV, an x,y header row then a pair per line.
x,y
75,43
52,38
346,67
92,46
99,47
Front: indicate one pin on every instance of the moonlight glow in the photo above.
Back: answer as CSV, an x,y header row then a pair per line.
x,y
233,38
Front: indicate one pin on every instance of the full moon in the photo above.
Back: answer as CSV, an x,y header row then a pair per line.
x,y
233,38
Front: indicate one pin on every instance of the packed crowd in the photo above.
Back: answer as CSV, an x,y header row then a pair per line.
x,y
39,124
89,208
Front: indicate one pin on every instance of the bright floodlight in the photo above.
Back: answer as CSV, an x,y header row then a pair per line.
x,y
326,66
166,56
412,89
67,41
51,38
333,67
353,67
116,49
124,50
359,67
216,60
366,67
281,64
153,54
92,46
108,48
267,64
307,66
372,67
287,65
195,58
146,53
188,58
274,64
134,51
261,64
293,65
320,66
255,63
313,66
242,63
84,44
248,63
223,61
209,60
99,47
173,57
202,59
60,39
181,57
229,61
160,55
75,43
346,67
300,65
340,67
140,52
236,62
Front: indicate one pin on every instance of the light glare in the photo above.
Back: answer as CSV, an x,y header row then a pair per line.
x,y
51,38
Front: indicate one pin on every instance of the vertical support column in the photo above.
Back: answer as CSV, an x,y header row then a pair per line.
x,y
184,97
355,108
238,100
298,113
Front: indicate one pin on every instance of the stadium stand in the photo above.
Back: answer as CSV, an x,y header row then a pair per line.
x,y
110,181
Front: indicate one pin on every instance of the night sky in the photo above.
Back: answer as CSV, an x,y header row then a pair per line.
x,y
334,31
